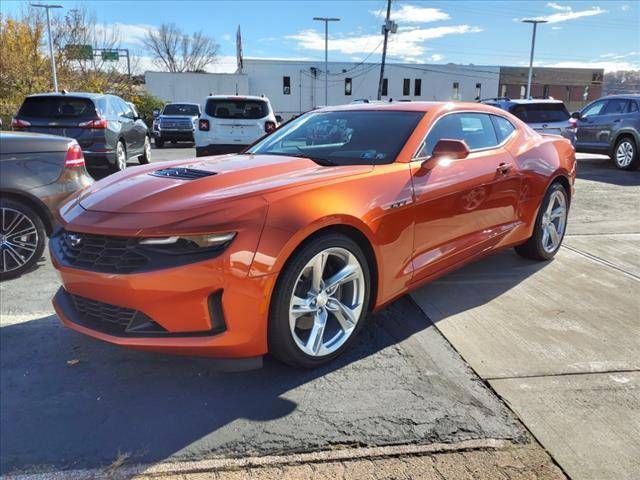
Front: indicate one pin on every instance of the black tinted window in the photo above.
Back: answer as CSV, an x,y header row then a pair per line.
x,y
181,109
245,109
540,112
504,127
632,107
475,129
343,138
58,106
615,106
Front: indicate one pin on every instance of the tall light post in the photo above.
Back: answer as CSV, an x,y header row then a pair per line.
x,y
535,23
48,7
326,21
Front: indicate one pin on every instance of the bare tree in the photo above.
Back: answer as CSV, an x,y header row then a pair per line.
x,y
175,51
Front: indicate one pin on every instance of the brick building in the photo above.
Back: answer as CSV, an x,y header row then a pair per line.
x,y
574,86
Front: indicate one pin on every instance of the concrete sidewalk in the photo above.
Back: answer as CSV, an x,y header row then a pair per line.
x,y
560,341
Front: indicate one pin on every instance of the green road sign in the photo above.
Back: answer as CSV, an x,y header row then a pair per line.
x,y
79,52
110,55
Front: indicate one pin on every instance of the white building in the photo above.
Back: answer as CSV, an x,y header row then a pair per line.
x,y
298,86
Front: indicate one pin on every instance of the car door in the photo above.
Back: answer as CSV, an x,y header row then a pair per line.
x,y
463,207
611,118
126,124
589,125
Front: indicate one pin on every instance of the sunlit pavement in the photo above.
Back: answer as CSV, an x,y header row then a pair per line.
x,y
531,331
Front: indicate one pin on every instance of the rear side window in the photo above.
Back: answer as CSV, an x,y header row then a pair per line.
x,y
57,107
241,109
504,127
615,106
632,107
541,112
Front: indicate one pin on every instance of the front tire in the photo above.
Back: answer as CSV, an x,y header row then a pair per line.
x,y
320,302
146,156
551,224
625,154
22,235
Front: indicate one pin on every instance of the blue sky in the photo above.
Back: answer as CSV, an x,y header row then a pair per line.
x,y
579,33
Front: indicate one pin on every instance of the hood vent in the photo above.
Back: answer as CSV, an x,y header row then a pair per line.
x,y
182,173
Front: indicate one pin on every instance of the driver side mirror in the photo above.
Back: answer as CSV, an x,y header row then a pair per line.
x,y
156,113
576,115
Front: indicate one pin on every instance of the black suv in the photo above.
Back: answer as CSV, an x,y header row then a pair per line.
x,y
108,129
611,126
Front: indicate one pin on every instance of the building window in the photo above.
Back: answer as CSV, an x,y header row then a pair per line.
x,y
417,87
347,86
286,85
478,91
545,91
523,91
456,91
406,87
503,90
385,87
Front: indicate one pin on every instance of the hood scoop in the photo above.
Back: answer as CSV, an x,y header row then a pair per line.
x,y
182,173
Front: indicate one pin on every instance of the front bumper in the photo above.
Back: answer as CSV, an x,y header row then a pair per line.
x,y
178,300
173,135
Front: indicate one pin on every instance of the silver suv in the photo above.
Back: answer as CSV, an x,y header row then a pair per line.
x,y
543,115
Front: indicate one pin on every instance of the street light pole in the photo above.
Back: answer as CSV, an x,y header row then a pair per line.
x,y
533,45
53,60
326,21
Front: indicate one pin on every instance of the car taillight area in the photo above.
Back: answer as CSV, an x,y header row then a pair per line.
x,y
269,126
18,124
99,123
203,125
74,157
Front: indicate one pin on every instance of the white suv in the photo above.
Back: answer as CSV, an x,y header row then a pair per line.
x,y
229,123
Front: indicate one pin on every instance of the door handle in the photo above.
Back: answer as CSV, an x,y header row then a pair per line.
x,y
504,168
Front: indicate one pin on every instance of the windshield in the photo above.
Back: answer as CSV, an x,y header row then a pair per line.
x,y
181,109
343,138
57,107
237,108
541,112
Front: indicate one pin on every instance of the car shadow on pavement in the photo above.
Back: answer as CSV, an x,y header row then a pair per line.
x,y
603,170
69,401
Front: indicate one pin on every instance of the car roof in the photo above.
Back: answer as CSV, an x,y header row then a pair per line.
x,y
415,107
239,97
69,94
521,101
633,96
183,103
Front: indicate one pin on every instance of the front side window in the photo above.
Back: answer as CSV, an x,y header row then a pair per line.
x,y
594,109
615,107
236,108
343,138
181,109
475,129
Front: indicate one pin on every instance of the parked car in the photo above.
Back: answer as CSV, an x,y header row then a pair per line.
x,y
37,172
543,115
231,123
611,126
286,247
176,123
107,128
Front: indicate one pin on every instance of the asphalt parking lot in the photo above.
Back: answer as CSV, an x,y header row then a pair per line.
x,y
558,342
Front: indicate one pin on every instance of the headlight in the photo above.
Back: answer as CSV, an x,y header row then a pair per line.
x,y
190,243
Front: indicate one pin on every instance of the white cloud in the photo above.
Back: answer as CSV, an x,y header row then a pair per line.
x,y
223,64
619,56
625,7
413,14
127,33
609,66
562,8
436,57
569,15
407,44
556,28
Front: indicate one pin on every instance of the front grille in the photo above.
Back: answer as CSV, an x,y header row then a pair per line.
x,y
176,124
101,253
94,311
182,173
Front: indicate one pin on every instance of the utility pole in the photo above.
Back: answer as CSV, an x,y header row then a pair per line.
x,y
326,21
533,45
53,60
388,26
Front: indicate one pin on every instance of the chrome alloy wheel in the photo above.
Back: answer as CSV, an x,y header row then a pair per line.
x,y
554,221
18,239
121,156
147,148
624,153
327,302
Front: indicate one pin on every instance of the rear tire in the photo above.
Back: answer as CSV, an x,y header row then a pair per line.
x,y
335,311
552,217
625,154
121,157
19,254
146,156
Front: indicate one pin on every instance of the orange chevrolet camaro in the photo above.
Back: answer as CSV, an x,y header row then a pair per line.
x,y
284,248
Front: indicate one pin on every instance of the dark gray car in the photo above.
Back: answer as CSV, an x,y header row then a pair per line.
x,y
176,123
37,172
611,126
107,128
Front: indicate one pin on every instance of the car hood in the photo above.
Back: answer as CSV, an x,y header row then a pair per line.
x,y
138,190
